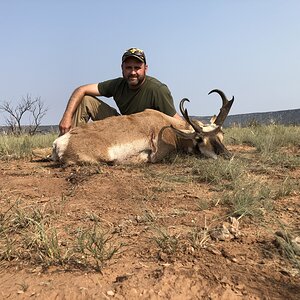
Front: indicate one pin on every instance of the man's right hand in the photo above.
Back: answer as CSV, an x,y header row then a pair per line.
x,y
65,125
75,99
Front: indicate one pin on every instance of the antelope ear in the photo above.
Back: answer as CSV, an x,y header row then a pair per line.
x,y
213,119
185,134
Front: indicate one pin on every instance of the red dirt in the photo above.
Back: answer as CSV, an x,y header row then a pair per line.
x,y
245,266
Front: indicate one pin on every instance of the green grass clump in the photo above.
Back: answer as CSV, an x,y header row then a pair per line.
x,y
16,147
265,139
167,243
248,198
287,246
219,172
288,186
281,160
198,237
94,242
31,235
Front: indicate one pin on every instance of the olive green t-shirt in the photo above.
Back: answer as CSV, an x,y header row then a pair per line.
x,y
151,94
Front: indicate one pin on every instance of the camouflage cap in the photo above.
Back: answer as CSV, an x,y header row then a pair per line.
x,y
134,52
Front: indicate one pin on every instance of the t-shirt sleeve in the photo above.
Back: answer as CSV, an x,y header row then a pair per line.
x,y
107,88
164,101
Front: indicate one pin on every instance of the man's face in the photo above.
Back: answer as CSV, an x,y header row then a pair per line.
x,y
134,71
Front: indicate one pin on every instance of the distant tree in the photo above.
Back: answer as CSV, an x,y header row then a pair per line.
x,y
38,111
35,107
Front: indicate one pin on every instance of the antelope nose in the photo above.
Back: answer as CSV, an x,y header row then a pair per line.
x,y
226,154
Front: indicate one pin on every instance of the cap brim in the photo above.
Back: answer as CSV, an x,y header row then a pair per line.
x,y
135,56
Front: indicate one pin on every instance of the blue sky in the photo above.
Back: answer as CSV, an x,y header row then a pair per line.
x,y
247,48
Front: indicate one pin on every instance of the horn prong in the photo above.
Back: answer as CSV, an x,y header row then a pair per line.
x,y
185,114
226,106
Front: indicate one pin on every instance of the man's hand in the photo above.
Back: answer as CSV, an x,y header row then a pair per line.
x,y
75,99
65,125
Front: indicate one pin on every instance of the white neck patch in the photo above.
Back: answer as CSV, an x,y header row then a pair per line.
x,y
59,146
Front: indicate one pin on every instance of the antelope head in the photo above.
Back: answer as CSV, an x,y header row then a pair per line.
x,y
207,138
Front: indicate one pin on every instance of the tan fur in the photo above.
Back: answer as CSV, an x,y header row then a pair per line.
x,y
138,138
121,139
147,136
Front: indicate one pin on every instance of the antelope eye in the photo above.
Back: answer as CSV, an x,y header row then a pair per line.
x,y
199,139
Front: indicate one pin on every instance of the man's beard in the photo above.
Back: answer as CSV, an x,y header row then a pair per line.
x,y
135,81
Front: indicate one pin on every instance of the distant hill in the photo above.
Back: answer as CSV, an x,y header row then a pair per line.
x,y
284,117
42,129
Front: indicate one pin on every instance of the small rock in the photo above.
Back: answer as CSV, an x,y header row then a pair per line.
x,y
296,240
296,245
289,272
110,293
228,255
240,286
134,291
214,250
221,234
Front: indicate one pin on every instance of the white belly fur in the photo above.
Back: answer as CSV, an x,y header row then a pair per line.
x,y
128,151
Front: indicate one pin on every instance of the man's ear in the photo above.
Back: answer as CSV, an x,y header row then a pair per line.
x,y
146,67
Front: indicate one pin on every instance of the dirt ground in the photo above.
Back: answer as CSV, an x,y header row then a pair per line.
x,y
140,206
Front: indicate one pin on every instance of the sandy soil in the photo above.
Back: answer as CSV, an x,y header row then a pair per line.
x,y
135,205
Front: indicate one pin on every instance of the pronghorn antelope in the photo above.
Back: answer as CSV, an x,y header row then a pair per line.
x,y
148,136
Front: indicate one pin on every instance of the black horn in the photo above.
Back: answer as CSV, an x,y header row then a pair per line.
x,y
226,105
184,112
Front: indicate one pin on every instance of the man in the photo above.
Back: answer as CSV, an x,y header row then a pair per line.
x,y
134,92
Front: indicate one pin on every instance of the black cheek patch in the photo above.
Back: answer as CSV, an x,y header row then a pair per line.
x,y
217,146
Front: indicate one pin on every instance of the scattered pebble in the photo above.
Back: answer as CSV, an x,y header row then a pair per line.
x,y
110,293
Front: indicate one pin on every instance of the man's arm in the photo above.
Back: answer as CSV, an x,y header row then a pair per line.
x,y
75,100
